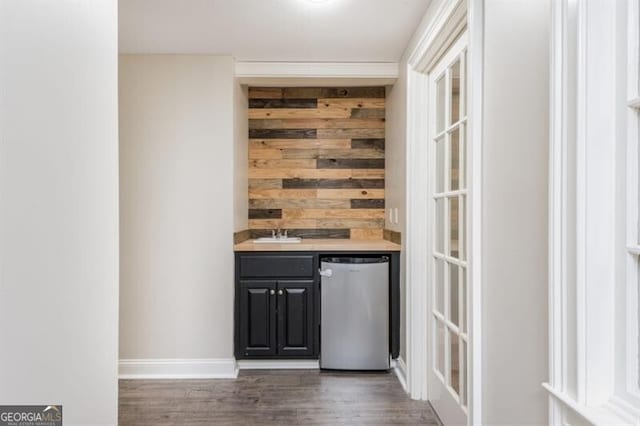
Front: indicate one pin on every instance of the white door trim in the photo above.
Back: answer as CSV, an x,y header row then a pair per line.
x,y
449,21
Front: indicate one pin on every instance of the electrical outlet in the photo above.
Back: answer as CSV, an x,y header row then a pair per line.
x,y
395,215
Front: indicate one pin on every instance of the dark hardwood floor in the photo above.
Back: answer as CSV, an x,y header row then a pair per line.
x,y
274,397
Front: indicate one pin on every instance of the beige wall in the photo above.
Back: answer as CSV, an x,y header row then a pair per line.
x,y
177,206
396,158
515,183
59,207
240,157
515,190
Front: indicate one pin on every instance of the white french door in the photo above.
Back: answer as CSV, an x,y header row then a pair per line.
x,y
448,312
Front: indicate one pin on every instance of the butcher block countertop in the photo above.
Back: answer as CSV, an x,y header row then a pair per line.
x,y
320,245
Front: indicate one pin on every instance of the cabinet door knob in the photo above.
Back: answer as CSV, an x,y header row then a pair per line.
x,y
279,292
272,292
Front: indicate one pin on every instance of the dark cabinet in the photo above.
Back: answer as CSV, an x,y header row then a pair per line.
x,y
277,304
295,318
276,317
258,317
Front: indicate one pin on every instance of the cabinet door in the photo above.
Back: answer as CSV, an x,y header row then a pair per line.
x,y
296,333
257,317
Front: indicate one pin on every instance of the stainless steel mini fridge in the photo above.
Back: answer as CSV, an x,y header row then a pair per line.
x,y
355,313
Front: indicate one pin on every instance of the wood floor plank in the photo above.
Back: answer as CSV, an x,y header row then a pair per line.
x,y
273,397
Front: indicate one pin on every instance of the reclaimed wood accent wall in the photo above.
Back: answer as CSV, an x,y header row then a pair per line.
x,y
316,161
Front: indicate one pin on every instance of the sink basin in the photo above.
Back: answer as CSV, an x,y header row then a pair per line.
x,y
287,240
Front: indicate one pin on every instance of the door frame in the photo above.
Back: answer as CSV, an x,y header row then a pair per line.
x,y
449,20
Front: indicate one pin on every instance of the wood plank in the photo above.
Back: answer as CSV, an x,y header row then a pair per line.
x,y
241,236
367,204
318,123
285,173
350,103
324,112
347,133
366,234
393,236
332,183
306,203
351,223
265,93
333,213
348,193
265,183
350,153
265,154
333,153
305,233
283,103
280,164
349,163
265,213
300,143
368,173
287,134
368,113
287,193
273,397
283,224
368,143
334,92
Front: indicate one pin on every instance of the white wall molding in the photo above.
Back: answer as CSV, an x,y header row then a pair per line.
x,y
449,21
582,214
206,368
320,73
279,364
475,217
417,245
400,369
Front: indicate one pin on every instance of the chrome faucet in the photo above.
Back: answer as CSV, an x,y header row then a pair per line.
x,y
279,233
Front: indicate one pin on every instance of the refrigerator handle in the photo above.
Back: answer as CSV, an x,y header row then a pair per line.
x,y
326,272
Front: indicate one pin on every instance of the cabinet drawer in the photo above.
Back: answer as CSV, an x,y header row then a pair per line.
x,y
276,266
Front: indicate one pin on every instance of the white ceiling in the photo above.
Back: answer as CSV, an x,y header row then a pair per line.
x,y
272,30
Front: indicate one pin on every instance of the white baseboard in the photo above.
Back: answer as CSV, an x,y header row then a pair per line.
x,y
209,368
294,364
400,369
